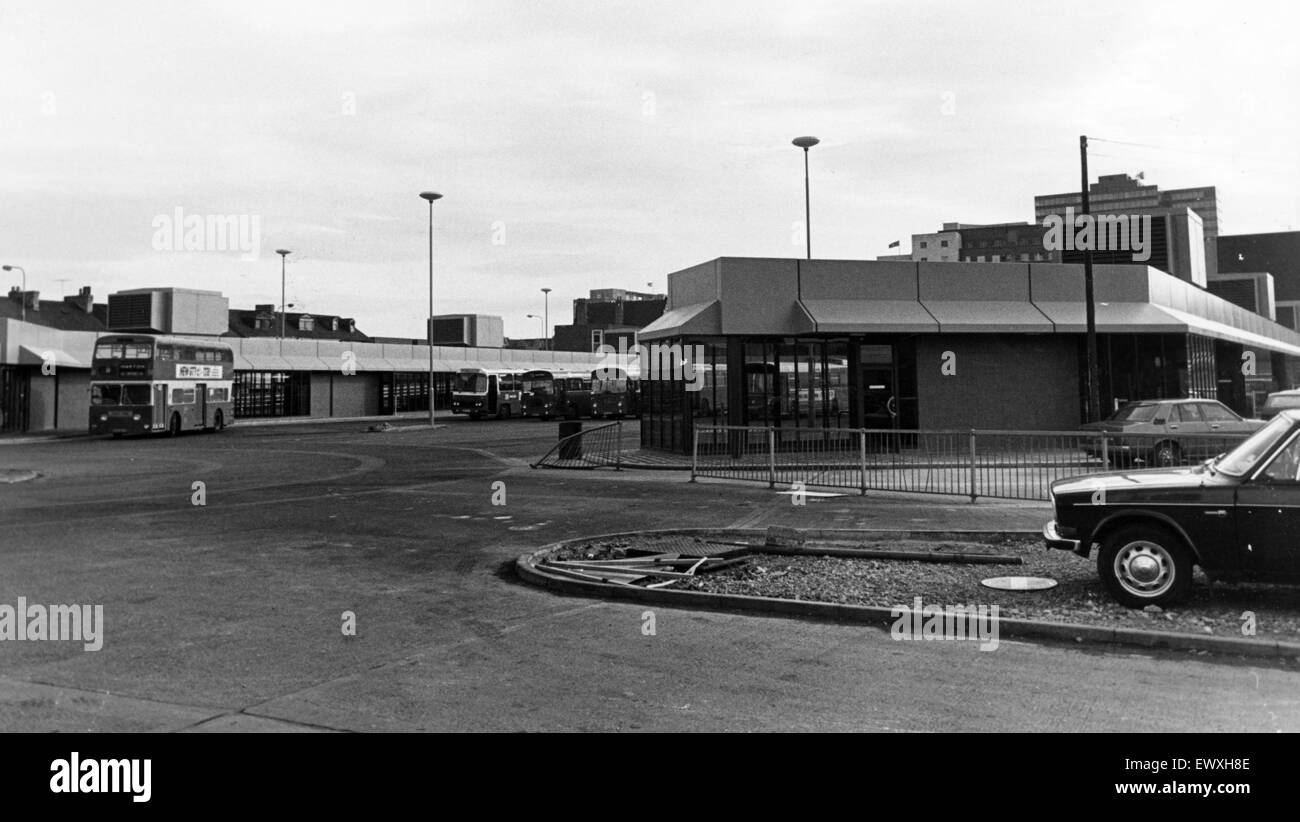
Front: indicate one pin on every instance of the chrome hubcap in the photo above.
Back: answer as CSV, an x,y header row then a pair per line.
x,y
1144,568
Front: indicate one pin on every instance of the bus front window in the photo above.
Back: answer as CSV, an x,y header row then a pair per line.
x,y
471,383
106,395
136,395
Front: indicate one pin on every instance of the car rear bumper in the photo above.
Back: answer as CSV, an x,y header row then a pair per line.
x,y
1052,537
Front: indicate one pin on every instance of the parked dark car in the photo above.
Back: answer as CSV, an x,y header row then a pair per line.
x,y
1279,401
1168,432
1236,516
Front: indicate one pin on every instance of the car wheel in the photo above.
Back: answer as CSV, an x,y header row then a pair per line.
x,y
174,426
1144,565
1165,454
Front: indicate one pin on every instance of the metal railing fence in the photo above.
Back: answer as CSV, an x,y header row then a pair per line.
x,y
598,447
1002,464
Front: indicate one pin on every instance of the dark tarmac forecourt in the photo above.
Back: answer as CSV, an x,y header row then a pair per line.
x,y
379,518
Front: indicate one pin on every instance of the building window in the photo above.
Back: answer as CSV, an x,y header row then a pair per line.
x,y
943,243
923,244
597,339
979,259
306,323
410,391
272,394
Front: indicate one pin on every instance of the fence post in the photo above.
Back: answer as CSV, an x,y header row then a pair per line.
x,y
1105,452
771,457
695,451
618,448
972,465
862,459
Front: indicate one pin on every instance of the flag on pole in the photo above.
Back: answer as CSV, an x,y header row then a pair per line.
x,y
894,244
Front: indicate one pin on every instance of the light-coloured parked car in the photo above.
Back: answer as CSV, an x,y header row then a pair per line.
x,y
1165,433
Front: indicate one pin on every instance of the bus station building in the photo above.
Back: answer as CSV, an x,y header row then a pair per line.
x,y
946,345
46,347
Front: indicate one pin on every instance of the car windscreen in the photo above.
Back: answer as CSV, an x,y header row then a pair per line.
x,y
1242,459
1136,412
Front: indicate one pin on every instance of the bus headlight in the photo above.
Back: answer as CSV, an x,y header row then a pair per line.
x,y
135,417
103,418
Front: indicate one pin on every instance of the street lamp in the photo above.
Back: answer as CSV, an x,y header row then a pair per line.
x,y
284,254
806,143
546,321
24,300
430,196
535,317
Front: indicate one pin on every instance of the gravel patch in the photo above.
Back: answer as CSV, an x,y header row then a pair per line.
x,y
1078,598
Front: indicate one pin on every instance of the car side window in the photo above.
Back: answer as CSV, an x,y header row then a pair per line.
x,y
1175,414
1216,413
1285,466
1189,412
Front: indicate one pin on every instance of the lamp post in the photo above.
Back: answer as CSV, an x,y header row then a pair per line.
x,y
284,254
24,300
1090,302
430,196
535,317
806,143
546,320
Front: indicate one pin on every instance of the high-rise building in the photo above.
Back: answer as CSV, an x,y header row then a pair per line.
x,y
1277,253
1120,194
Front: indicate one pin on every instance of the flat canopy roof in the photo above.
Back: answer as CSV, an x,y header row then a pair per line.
x,y
31,356
871,316
983,316
1112,318
697,319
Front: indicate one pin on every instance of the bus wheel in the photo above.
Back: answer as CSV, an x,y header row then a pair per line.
x,y
174,426
217,423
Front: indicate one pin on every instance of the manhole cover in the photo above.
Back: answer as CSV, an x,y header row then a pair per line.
x,y
1019,583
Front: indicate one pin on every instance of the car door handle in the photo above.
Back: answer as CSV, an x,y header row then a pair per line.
x,y
1219,513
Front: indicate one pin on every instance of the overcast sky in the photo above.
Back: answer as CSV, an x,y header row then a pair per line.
x,y
603,144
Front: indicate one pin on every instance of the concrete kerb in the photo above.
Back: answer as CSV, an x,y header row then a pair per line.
x,y
528,566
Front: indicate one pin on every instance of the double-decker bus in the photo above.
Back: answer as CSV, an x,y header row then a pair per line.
x,y
558,394
479,392
612,394
141,383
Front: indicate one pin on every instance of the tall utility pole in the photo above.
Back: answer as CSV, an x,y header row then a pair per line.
x,y
546,319
1090,305
284,254
430,196
806,143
